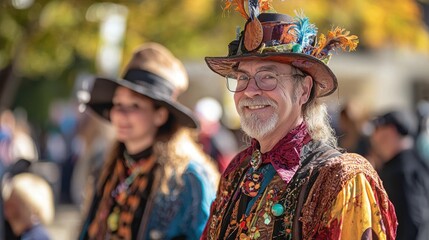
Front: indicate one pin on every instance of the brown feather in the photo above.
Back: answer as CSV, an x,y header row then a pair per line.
x,y
253,35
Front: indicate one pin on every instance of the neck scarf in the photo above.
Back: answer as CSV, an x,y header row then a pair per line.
x,y
121,197
286,153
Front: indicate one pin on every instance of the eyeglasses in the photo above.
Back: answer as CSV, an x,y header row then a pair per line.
x,y
238,81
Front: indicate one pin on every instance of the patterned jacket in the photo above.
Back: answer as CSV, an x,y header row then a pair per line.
x,y
330,196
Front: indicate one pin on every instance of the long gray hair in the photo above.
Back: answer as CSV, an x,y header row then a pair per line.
x,y
316,115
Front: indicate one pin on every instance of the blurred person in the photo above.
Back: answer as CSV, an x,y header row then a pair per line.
x,y
350,135
157,183
16,141
217,140
62,146
404,175
25,146
6,133
291,182
28,206
94,137
2,220
18,167
422,138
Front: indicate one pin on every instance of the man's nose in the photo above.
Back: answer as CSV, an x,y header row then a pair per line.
x,y
252,88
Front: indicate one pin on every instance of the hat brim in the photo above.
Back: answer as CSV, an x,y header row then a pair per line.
x,y
104,88
319,71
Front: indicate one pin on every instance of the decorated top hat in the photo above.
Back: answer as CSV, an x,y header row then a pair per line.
x,y
154,72
271,36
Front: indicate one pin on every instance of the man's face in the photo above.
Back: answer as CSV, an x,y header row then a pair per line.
x,y
263,112
382,140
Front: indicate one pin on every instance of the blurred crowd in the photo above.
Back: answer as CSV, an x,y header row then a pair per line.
x,y
356,130
63,161
396,142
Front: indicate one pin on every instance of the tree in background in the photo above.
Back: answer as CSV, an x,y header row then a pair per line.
x,y
45,45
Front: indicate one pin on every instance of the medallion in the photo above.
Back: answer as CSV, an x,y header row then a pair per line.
x,y
277,209
252,183
113,220
256,159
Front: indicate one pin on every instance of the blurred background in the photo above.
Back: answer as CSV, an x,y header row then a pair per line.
x,y
49,51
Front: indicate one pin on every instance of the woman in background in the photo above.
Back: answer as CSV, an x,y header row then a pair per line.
x,y
157,183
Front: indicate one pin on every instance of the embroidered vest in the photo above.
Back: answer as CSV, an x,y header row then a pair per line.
x,y
323,173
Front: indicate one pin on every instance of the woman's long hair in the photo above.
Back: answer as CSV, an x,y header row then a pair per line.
x,y
174,146
175,154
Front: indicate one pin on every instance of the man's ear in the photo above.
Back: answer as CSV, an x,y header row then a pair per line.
x,y
307,85
161,116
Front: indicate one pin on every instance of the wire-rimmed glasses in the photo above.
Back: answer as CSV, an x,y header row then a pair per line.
x,y
237,81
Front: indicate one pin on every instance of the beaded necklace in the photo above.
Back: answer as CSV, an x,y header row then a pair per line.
x,y
135,168
125,195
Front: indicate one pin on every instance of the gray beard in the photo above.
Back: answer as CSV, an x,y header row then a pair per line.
x,y
257,128
252,124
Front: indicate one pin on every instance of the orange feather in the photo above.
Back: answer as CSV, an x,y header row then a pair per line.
x,y
336,38
239,7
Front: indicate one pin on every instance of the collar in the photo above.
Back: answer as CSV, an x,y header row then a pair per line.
x,y
285,155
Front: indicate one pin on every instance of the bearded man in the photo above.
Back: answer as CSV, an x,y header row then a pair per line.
x,y
307,188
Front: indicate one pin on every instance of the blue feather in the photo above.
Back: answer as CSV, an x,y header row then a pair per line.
x,y
305,31
253,9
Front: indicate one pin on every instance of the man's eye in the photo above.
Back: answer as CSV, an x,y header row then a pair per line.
x,y
242,77
268,76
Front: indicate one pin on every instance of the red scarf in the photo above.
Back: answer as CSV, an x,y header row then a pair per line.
x,y
285,155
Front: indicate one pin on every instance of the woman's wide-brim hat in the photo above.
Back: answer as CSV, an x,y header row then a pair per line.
x,y
153,72
284,39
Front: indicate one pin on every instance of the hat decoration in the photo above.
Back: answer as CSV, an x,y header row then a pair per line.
x,y
298,37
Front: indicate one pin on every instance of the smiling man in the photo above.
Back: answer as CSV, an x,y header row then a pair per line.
x,y
292,182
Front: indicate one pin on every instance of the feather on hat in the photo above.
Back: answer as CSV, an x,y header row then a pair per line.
x,y
281,38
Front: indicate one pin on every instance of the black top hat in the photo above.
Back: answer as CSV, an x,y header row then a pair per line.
x,y
153,72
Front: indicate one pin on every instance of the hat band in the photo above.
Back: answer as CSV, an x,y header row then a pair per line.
x,y
146,78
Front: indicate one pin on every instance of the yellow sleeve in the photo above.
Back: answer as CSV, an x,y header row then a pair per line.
x,y
355,213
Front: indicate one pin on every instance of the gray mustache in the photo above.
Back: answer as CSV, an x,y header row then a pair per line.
x,y
256,101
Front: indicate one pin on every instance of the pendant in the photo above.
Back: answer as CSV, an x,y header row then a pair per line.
x,y
113,220
277,209
267,218
254,233
251,183
256,159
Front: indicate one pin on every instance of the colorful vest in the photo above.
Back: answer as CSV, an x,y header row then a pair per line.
x,y
297,210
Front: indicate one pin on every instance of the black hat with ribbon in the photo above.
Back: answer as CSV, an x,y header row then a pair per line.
x,y
154,72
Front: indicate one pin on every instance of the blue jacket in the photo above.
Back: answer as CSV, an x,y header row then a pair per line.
x,y
186,213
182,214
